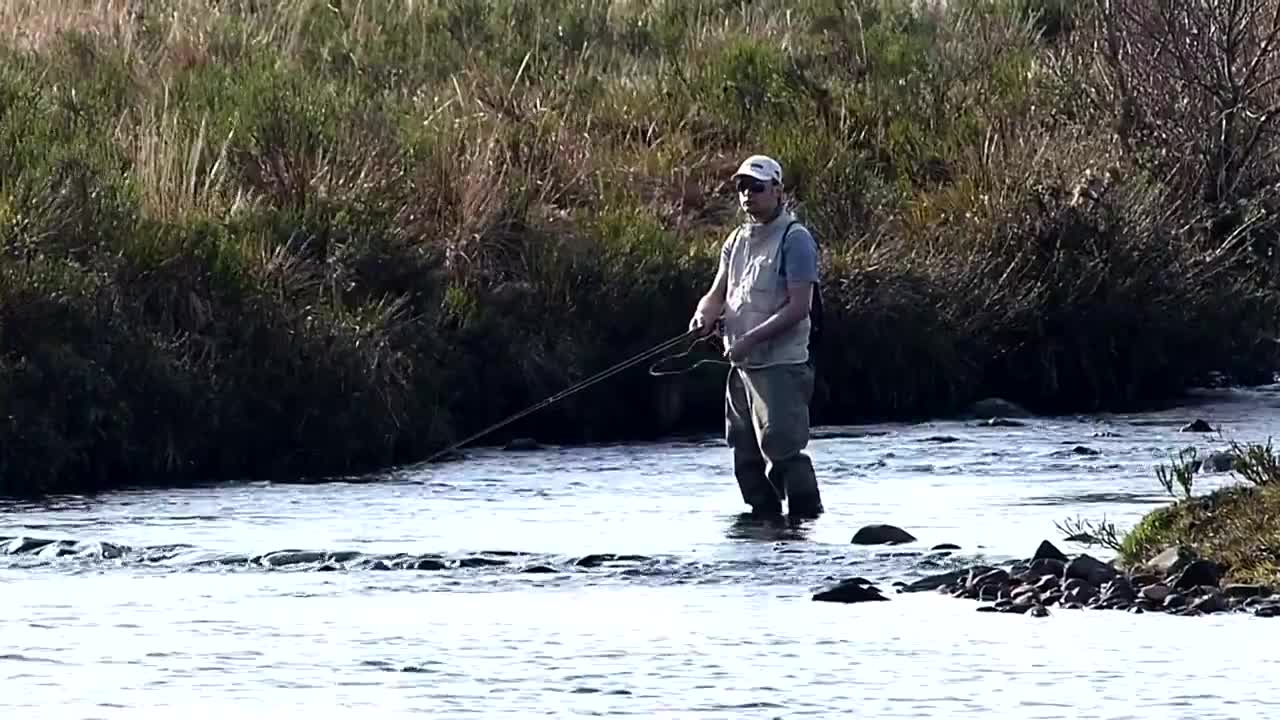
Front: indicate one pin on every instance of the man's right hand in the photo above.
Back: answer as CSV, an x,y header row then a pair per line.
x,y
700,322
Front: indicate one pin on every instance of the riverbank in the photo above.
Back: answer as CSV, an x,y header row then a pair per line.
x,y
308,240
1204,554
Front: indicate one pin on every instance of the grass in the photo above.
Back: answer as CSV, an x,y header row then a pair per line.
x,y
1237,526
299,239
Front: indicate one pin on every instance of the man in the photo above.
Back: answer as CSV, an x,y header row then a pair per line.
x,y
764,289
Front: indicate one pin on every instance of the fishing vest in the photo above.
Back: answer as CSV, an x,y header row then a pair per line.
x,y
757,289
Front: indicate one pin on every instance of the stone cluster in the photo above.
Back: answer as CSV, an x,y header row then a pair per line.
x,y
1176,582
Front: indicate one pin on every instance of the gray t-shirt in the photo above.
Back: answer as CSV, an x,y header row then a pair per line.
x,y
799,255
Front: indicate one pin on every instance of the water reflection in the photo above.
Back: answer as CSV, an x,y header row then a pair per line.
x,y
768,528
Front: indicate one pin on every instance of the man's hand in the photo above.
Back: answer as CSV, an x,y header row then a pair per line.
x,y
740,349
700,321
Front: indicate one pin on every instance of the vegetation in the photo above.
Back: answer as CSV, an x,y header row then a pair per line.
x,y
244,239
1236,525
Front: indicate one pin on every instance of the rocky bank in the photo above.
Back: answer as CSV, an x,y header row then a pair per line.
x,y
1176,582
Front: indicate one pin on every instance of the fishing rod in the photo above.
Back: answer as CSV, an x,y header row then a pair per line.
x,y
598,377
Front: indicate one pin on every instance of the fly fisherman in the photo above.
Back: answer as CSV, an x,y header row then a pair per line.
x,y
764,290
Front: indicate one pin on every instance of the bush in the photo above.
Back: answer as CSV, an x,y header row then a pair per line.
x,y
299,239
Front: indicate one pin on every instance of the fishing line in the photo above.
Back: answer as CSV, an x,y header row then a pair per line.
x,y
598,377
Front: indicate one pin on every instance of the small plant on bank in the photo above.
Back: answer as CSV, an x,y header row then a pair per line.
x,y
1090,534
1237,526
1180,472
1256,463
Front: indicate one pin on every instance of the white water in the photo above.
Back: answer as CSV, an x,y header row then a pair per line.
x,y
718,623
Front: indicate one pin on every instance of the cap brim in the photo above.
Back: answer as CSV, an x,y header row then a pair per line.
x,y
752,174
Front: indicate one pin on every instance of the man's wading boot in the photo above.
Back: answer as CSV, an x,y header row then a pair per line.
x,y
805,501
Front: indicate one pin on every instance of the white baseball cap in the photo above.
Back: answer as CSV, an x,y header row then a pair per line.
x,y
760,167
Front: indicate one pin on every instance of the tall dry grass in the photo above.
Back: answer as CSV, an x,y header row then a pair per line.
x,y
246,239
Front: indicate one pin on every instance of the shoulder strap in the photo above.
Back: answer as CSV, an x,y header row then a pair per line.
x,y
782,246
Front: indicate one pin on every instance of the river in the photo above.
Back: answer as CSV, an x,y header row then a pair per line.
x,y
711,618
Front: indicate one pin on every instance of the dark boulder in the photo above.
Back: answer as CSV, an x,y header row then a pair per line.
x,y
882,535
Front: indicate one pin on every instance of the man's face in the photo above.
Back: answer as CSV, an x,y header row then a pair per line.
x,y
757,197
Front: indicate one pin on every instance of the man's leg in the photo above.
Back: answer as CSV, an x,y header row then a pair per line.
x,y
780,400
741,434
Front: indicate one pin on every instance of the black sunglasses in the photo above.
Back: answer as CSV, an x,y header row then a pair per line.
x,y
755,186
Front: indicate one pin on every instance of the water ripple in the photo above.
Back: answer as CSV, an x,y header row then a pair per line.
x,y
618,581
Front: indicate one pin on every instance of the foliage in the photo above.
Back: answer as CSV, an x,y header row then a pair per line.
x,y
289,239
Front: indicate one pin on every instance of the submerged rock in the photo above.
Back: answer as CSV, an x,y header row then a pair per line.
x,y
1197,426
852,590
993,407
1000,422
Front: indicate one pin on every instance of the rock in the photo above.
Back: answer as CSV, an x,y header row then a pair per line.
x,y
1171,560
1212,602
1083,450
1047,551
60,548
427,563
980,577
990,592
20,545
1047,566
1175,601
850,591
1047,583
598,559
1218,461
945,546
101,550
1119,589
1141,580
480,561
1026,596
994,407
882,535
1198,573
1076,590
292,557
935,582
522,444
999,422
1267,611
1156,593
1198,426
1090,569
1237,590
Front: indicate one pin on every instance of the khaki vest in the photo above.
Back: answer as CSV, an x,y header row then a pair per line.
x,y
756,290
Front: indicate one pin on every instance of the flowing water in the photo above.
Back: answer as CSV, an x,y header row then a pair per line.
x,y
706,615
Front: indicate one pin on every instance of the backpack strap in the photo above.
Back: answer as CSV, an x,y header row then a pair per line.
x,y
815,310
782,246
